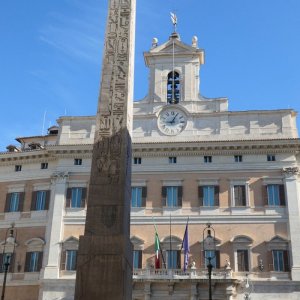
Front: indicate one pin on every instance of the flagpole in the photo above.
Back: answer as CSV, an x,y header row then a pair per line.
x,y
161,253
170,252
187,223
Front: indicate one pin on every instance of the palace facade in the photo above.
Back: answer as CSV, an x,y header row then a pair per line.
x,y
194,162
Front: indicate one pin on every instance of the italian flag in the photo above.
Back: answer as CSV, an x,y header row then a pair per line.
x,y
156,247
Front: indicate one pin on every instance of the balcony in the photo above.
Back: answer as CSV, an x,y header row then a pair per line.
x,y
164,274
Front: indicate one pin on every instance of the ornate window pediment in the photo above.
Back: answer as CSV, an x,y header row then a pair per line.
x,y
70,243
278,243
138,244
35,244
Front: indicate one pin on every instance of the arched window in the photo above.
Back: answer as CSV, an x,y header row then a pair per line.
x,y
173,88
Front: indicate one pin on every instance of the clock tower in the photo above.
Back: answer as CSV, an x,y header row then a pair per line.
x,y
174,70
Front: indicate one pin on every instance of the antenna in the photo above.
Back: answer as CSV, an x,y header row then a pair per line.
x,y
44,119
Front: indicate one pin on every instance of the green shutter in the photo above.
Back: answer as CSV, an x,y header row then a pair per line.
x,y
217,192
200,195
33,201
144,196
282,195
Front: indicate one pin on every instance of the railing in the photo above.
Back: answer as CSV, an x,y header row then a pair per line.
x,y
180,274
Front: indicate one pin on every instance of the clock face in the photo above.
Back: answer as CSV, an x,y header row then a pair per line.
x,y
171,121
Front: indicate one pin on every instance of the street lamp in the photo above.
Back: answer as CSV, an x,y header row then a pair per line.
x,y
8,251
248,288
209,250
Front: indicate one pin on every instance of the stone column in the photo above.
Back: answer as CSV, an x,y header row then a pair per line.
x,y
293,207
104,263
54,226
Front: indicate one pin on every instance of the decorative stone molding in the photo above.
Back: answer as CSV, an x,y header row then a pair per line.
x,y
290,171
59,176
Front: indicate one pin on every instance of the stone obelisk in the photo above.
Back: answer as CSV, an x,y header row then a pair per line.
x,y
104,262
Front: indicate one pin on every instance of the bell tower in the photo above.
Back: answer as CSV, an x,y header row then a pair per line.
x,y
174,70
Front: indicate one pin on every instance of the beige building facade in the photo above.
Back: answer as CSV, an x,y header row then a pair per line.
x,y
193,161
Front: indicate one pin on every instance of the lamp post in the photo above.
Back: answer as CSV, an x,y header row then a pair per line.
x,y
209,250
248,288
8,251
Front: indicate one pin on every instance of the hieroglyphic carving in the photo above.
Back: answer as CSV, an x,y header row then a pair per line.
x,y
112,112
114,85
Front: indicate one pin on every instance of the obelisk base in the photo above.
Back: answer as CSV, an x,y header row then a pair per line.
x,y
104,259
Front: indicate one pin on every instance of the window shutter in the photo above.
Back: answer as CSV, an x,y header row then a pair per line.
x,y
12,263
180,191
1,263
63,260
217,253
33,200
47,202
265,195
7,202
286,261
270,261
164,195
200,195
282,194
140,259
246,260
27,261
217,192
40,261
83,197
243,195
21,201
178,259
236,195
68,200
144,196
202,259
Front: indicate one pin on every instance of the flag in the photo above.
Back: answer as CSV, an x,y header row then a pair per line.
x,y
186,248
156,247
173,18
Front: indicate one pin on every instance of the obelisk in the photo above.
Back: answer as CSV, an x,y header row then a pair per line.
x,y
104,262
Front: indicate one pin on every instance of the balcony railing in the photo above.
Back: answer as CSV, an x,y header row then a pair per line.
x,y
180,274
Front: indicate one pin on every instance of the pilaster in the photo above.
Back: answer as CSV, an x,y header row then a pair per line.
x,y
54,226
293,206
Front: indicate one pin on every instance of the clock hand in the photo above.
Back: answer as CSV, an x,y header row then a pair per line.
x,y
174,118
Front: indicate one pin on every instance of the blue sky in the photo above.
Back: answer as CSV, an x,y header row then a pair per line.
x,y
51,52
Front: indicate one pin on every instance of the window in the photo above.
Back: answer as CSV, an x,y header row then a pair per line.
x,y
215,255
242,260
239,192
280,260
275,195
76,197
44,166
172,196
40,200
207,159
6,258
238,158
209,195
33,261
271,157
137,259
18,168
173,88
137,160
69,254
71,258
173,259
14,202
138,196
172,160
77,161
